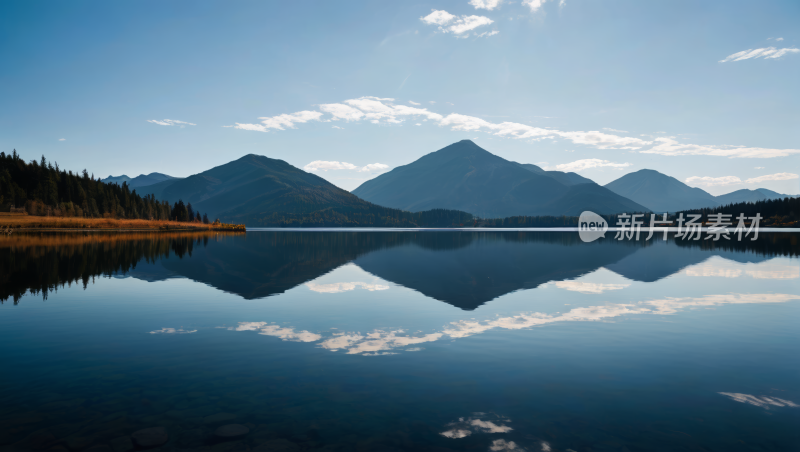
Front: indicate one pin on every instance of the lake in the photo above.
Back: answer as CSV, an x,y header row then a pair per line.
x,y
398,341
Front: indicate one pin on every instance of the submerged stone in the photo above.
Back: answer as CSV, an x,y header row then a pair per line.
x,y
277,445
121,444
232,431
219,417
150,437
191,438
99,448
37,440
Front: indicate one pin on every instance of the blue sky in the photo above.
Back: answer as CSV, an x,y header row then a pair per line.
x,y
607,87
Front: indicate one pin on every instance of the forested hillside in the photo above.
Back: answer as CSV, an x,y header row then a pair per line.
x,y
774,212
42,188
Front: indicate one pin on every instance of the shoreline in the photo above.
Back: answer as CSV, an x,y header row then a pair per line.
x,y
29,223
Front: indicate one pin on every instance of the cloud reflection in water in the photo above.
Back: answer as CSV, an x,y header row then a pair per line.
x,y
381,342
724,268
344,287
763,401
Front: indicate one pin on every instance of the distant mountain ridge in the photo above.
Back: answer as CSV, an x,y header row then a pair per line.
x,y
253,185
745,195
142,180
260,191
662,193
565,178
466,177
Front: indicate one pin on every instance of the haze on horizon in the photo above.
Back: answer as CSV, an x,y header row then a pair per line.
x,y
705,92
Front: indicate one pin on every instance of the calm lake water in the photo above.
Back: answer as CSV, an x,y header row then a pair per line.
x,y
399,341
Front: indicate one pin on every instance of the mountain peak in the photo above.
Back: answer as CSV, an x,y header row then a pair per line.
x,y
464,176
660,192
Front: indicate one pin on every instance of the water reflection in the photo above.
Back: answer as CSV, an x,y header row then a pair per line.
x,y
385,342
344,287
763,401
602,346
464,269
716,266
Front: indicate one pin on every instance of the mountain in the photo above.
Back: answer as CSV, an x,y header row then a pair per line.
x,y
564,178
660,193
745,195
254,185
117,179
466,177
142,180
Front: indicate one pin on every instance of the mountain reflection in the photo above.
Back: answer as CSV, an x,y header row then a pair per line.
x,y
464,269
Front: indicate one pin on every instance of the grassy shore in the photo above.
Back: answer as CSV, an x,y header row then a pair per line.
x,y
30,222
28,238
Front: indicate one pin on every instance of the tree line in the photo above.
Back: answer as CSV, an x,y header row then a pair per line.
x,y
42,188
774,212
372,216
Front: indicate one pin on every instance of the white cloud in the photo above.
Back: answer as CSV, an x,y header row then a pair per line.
x,y
280,122
449,23
325,166
170,122
534,5
763,401
779,39
337,127
377,109
414,103
485,4
768,177
603,140
758,167
768,53
342,111
384,111
614,130
522,131
668,146
468,23
373,167
486,34
62,139
438,17
707,181
580,165
322,165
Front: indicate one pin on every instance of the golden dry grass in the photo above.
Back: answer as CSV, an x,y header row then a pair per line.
x,y
35,222
25,240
